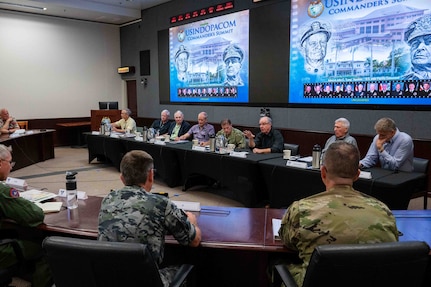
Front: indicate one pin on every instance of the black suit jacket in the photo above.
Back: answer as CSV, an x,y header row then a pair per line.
x,y
162,129
185,126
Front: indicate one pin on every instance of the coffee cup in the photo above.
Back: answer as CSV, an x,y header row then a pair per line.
x,y
287,153
231,146
195,142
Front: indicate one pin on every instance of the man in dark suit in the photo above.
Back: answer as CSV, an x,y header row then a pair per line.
x,y
179,127
162,125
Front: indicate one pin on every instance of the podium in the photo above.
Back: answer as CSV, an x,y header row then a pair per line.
x,y
98,115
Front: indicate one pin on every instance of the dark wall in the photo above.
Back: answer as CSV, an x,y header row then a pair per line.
x,y
144,36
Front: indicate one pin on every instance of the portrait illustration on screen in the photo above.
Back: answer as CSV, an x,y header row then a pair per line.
x,y
377,47
208,55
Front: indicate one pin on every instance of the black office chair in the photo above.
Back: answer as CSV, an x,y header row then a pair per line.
x,y
90,263
8,237
293,147
421,165
381,264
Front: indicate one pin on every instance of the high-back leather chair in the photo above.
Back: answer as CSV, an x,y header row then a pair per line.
x,y
293,147
380,264
421,165
90,263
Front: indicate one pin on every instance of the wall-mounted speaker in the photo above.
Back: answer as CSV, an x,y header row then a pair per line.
x,y
144,58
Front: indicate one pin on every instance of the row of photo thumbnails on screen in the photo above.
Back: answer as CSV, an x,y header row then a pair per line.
x,y
391,89
208,92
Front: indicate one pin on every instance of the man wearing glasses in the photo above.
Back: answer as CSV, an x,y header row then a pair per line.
x,y
268,140
25,214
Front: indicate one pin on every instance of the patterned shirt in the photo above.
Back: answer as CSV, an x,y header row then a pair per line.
x,y
134,215
202,134
12,124
236,137
340,215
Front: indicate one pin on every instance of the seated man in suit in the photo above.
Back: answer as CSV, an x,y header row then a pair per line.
x,y
268,140
134,214
232,135
339,215
179,127
162,125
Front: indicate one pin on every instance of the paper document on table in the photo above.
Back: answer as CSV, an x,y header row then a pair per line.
x,y
35,195
276,224
48,207
306,159
188,205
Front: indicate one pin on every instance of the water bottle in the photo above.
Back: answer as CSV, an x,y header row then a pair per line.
x,y
212,143
71,192
316,156
144,134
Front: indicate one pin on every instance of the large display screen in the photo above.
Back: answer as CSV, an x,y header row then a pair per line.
x,y
365,52
209,60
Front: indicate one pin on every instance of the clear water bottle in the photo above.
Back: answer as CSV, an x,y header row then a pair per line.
x,y
71,192
317,151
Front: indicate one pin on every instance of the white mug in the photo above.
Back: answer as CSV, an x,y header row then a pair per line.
x,y
231,146
287,153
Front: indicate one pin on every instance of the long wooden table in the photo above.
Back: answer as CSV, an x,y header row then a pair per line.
x,y
224,227
237,243
252,180
31,147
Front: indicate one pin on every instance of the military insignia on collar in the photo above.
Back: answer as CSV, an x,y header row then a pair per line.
x,y
14,193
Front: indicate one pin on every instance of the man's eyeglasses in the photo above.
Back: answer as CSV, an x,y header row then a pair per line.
x,y
12,163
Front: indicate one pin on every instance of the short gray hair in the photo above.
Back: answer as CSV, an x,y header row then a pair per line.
x,y
344,121
385,125
166,112
5,151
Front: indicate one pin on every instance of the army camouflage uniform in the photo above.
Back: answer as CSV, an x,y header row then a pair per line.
x,y
25,214
338,216
236,137
131,214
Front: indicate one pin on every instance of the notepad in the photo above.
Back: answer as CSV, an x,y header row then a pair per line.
x,y
276,225
49,207
35,195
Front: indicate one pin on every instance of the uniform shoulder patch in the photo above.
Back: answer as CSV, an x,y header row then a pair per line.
x,y
14,193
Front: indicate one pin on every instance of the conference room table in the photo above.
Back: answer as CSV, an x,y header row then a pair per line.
x,y
286,184
177,164
237,242
254,180
223,227
30,147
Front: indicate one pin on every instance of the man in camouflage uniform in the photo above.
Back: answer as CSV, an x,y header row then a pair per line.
x,y
25,214
340,215
133,214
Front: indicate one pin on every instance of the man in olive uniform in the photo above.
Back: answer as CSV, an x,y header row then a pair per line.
x,y
232,135
134,214
339,215
25,214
